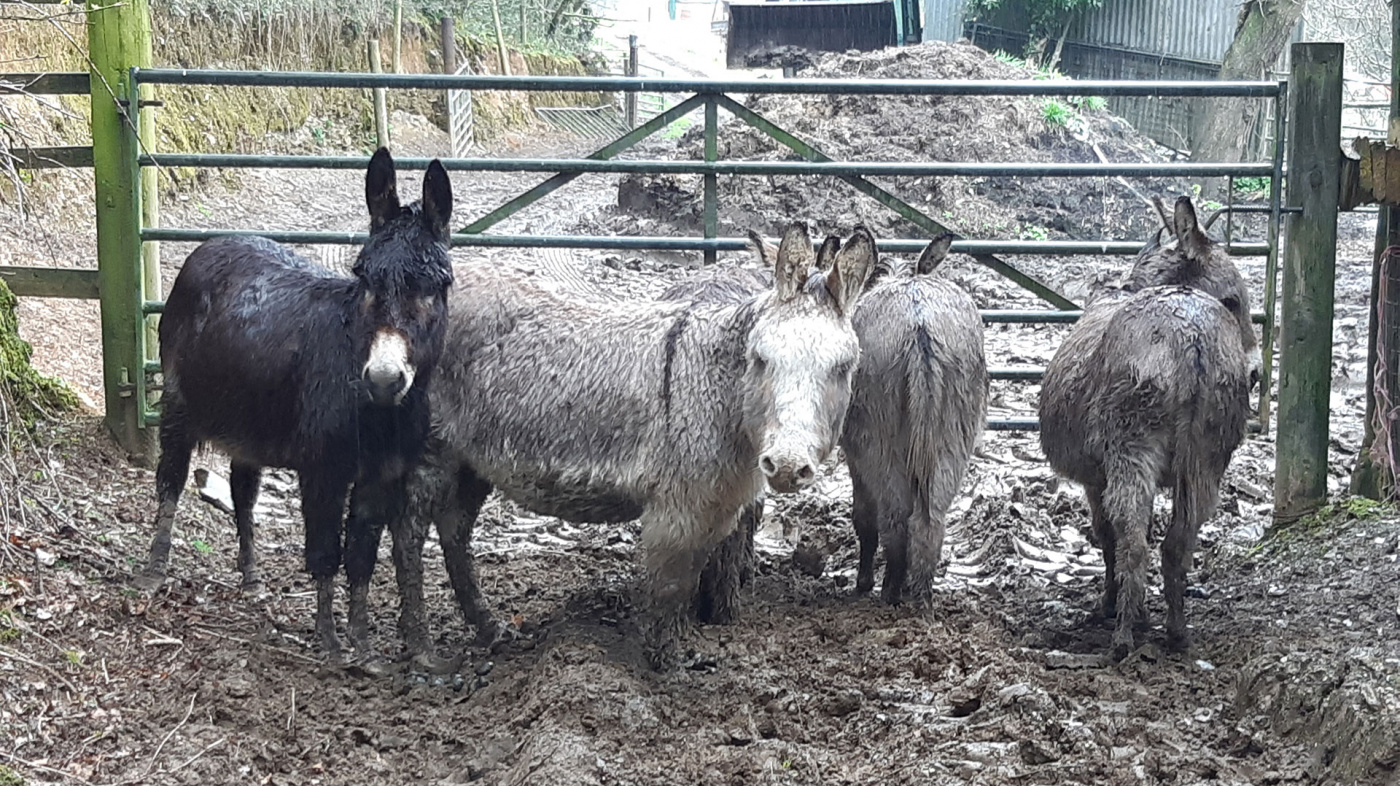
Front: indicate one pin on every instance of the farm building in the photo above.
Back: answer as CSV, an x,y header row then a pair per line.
x,y
1124,39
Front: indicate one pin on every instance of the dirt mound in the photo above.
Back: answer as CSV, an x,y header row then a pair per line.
x,y
917,128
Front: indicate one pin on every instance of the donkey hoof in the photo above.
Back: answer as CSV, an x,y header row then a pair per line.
x,y
663,656
252,588
428,663
493,635
148,582
1120,649
369,667
1178,641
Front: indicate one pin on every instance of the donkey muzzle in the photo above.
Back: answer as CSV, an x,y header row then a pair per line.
x,y
787,474
388,374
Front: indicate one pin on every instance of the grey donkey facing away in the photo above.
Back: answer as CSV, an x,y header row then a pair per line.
x,y
1151,389
918,407
674,413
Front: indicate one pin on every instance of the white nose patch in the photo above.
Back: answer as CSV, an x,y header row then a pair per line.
x,y
388,362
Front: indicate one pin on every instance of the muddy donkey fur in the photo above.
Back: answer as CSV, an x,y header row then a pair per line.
x,y
281,363
918,406
1151,389
673,413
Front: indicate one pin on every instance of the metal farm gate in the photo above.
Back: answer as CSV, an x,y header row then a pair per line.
x,y
129,299
459,117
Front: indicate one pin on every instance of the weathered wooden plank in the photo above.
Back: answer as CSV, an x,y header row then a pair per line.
x,y
66,282
51,157
58,83
1378,171
1309,278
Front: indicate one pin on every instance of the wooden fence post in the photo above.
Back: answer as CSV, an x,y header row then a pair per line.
x,y
119,37
398,36
449,47
381,108
1309,260
630,98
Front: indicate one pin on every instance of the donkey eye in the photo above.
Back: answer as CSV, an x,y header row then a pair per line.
x,y
1232,303
426,303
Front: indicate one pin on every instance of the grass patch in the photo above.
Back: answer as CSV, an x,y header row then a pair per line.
x,y
1253,187
677,129
1055,113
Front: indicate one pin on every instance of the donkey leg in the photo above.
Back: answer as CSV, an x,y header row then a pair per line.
x,y
428,490
372,505
895,513
865,512
676,545
1127,503
1177,546
454,526
244,481
716,600
322,507
172,472
1107,543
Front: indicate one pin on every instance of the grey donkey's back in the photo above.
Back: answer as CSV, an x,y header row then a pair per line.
x,y
918,406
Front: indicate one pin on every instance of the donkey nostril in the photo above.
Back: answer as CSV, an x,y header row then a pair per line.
x,y
806,473
769,468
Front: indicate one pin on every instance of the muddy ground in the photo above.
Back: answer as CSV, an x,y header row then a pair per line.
x,y
1293,678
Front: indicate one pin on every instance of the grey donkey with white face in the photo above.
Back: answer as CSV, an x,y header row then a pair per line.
x,y
674,413
1151,390
918,406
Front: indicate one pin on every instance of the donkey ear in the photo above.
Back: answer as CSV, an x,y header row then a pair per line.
x,y
381,189
934,253
794,261
767,252
852,269
1167,221
826,255
437,201
1189,237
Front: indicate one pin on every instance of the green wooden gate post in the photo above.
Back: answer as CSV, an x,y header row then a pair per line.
x,y
1309,275
119,37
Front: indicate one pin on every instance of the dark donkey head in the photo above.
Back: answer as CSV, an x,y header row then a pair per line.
x,y
404,272
1198,262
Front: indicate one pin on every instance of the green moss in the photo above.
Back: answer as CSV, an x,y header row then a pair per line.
x,y
31,394
9,777
1312,535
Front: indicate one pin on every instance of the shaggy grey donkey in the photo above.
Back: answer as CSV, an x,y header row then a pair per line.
x,y
918,406
1151,390
674,413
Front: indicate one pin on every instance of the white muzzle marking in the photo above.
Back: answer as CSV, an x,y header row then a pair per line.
x,y
388,371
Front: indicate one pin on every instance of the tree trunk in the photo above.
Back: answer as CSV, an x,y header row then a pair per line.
x,y
1372,478
1220,128
1059,48
1035,50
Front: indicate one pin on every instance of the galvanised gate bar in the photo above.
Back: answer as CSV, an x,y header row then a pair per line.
x,y
711,95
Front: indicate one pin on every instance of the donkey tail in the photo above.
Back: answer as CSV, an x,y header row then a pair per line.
x,y
1210,427
947,411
